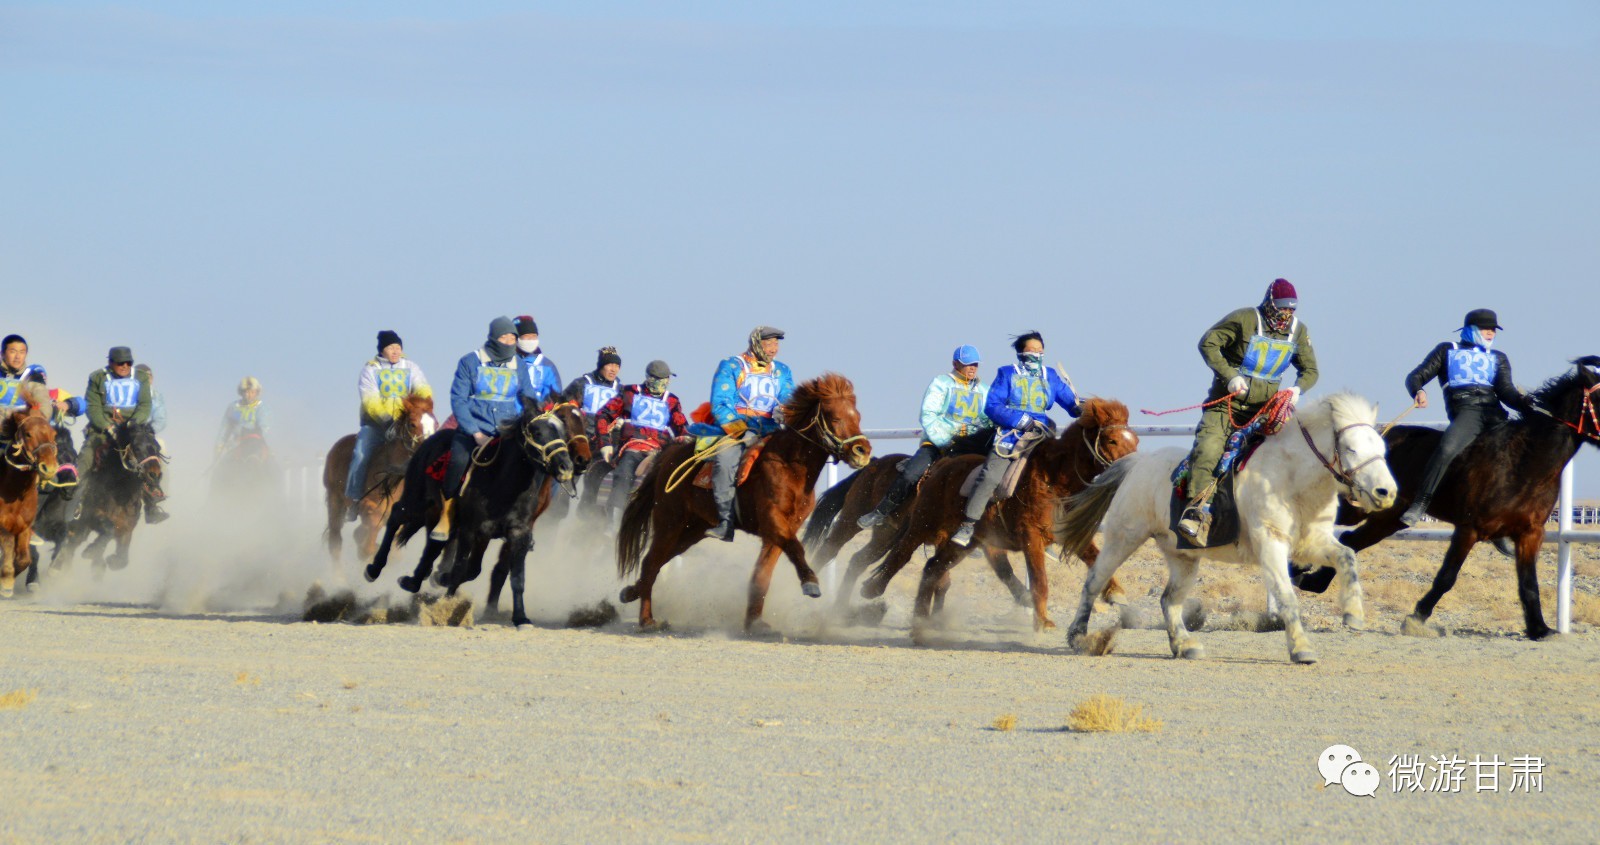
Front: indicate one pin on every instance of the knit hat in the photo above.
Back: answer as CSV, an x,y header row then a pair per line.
x,y
387,338
120,355
526,325
1282,294
608,355
966,354
500,326
658,369
1483,318
10,339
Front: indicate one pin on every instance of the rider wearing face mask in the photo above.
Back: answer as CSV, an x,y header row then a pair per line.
x,y
1248,351
482,396
1476,382
651,417
1018,399
539,382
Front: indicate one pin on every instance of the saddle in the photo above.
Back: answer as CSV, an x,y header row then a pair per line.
x,y
702,478
1223,526
1008,482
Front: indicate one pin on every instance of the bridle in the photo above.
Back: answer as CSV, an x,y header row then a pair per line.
x,y
20,458
831,443
1347,477
1586,415
1094,446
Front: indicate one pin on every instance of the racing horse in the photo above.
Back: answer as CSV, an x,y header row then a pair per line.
x,y
1056,469
1287,497
56,500
385,479
1504,485
663,521
244,468
30,458
113,495
508,491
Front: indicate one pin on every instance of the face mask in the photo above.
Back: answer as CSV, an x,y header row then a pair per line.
x,y
1031,360
528,347
656,386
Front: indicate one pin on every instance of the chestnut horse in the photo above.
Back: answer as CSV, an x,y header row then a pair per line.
x,y
1503,485
30,458
113,495
1057,468
772,503
385,480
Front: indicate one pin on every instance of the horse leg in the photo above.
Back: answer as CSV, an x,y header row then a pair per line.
x,y
1114,594
939,592
334,534
664,546
501,571
119,558
937,569
1118,547
1038,582
879,542
380,556
8,565
1182,571
1528,583
1342,559
516,551
878,581
1000,562
760,580
1461,542
797,556
1274,560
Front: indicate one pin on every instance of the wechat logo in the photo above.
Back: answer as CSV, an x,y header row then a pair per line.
x,y
1342,764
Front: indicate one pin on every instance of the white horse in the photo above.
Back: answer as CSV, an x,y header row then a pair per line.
x,y
1287,497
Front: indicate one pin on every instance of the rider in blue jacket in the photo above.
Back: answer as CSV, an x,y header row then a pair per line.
x,y
747,394
483,395
538,380
1018,399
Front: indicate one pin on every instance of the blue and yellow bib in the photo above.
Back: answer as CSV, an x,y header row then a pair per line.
x,y
393,382
1029,393
11,394
1267,358
496,383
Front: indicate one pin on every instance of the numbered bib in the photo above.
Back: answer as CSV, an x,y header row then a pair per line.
x,y
1029,394
1470,367
650,412
11,394
122,393
758,394
394,383
964,406
595,397
496,384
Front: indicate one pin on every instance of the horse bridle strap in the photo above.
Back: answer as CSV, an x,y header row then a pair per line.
x,y
1586,415
831,442
1347,477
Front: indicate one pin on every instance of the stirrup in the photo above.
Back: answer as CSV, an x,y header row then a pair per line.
x,y
1192,524
724,530
963,534
1414,514
871,519
441,529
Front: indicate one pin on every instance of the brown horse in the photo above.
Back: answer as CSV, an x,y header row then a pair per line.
x,y
127,468
386,473
244,468
1056,469
772,503
30,458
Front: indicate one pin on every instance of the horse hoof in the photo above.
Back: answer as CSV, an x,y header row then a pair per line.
x,y
1416,627
654,627
1022,598
371,572
1193,652
759,628
5,592
811,589
921,635
1548,636
523,624
409,584
629,594
1043,625
1304,657
1354,622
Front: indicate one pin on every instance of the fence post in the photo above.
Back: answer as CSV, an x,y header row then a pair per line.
x,y
1564,553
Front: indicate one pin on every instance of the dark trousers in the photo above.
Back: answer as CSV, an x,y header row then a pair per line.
x,y
624,478
1466,424
596,473
916,466
461,448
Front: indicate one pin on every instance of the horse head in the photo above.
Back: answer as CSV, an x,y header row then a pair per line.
x,y
415,422
1569,398
823,410
577,435
1102,424
1359,451
33,442
544,441
138,450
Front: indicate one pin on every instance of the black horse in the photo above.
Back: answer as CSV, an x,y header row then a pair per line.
x,y
524,443
1504,485
129,463
57,498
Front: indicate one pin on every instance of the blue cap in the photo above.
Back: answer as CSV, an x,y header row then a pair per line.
x,y
965,354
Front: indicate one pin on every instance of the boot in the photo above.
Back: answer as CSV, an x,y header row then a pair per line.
x,y
964,532
1416,513
441,529
1505,546
872,518
352,513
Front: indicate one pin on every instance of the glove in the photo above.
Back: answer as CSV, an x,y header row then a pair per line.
x,y
1025,422
735,428
1294,397
1040,426
1238,385
480,438
606,452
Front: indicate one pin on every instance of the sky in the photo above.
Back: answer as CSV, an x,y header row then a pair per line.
x,y
258,188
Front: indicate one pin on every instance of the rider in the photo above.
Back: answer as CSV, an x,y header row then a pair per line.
x,y
116,394
383,386
158,402
1017,402
652,417
747,394
1248,351
1476,383
16,371
539,382
244,417
953,423
592,391
482,396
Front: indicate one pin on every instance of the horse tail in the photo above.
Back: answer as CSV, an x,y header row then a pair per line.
x,y
633,537
827,508
1084,510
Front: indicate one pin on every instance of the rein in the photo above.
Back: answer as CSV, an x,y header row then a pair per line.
x,y
831,442
1343,476
1586,415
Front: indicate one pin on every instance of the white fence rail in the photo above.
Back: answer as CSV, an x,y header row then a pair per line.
x,y
1563,536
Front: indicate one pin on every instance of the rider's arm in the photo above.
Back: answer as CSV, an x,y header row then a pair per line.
x,y
1426,371
419,382
1227,332
141,414
1505,388
1305,360
680,423
725,392
95,393
998,403
935,428
1063,393
461,394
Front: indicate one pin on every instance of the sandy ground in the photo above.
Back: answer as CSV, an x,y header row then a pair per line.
x,y
183,700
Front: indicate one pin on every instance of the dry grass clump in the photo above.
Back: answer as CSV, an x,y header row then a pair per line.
x,y
18,699
1109,714
343,606
1005,723
1100,643
452,611
245,679
597,615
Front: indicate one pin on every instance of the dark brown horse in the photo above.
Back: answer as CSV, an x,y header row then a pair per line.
x,y
772,503
30,458
1056,469
129,464
385,481
1503,485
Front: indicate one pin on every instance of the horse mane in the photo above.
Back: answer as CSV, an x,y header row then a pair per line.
x,y
810,395
412,402
1097,412
1550,394
1338,410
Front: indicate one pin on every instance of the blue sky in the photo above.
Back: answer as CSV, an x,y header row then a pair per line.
x,y
260,189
